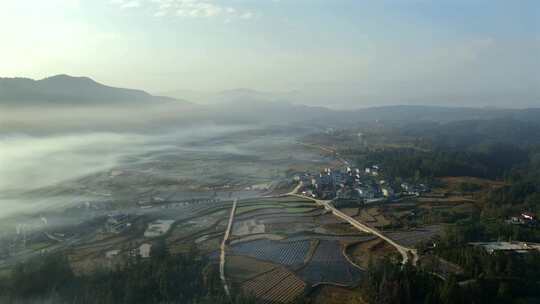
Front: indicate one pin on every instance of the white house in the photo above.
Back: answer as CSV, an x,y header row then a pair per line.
x,y
144,250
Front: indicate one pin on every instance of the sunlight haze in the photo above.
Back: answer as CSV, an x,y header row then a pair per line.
x,y
364,52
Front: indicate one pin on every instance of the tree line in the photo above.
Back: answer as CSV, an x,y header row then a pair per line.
x,y
185,278
493,162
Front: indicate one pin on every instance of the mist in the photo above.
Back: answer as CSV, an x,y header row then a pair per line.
x,y
50,118
46,149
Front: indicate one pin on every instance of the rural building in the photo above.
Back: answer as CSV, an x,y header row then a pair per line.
x,y
144,250
517,247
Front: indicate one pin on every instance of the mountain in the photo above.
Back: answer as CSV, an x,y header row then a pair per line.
x,y
270,112
244,94
64,89
295,106
234,95
478,132
412,113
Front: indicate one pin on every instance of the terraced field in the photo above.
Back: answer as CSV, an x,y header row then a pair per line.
x,y
189,230
364,252
279,216
329,266
413,237
277,286
286,219
275,213
276,205
210,244
290,254
329,237
275,209
241,268
372,216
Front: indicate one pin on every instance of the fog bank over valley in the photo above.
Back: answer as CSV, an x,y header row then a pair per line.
x,y
31,162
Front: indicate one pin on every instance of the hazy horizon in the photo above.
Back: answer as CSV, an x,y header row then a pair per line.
x,y
347,55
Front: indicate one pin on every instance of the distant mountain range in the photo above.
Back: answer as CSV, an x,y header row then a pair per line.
x,y
236,106
64,89
235,95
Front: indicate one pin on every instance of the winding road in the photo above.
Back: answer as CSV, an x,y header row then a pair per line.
x,y
405,252
223,247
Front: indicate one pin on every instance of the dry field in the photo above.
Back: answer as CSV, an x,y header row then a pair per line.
x,y
350,211
410,238
337,295
453,182
361,253
373,217
242,268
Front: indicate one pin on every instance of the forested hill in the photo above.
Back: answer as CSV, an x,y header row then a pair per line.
x,y
487,148
413,113
519,130
64,89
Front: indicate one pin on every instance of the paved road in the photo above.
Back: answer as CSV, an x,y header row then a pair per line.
x,y
404,251
223,247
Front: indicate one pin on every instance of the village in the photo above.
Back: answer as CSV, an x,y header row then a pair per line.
x,y
356,186
289,229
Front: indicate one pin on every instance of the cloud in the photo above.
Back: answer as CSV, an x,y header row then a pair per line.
x,y
132,4
127,3
188,8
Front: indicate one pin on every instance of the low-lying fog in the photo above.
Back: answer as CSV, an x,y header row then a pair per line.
x,y
43,148
30,162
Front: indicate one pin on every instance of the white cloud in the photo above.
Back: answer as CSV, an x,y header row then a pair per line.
x,y
132,4
189,8
127,3
160,14
246,15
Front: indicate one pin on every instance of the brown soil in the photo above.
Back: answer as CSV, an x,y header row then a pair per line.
x,y
337,295
241,268
363,252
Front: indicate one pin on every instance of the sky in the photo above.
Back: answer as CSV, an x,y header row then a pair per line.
x,y
346,52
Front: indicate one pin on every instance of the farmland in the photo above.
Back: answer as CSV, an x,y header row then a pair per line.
x,y
337,294
365,252
283,238
286,239
279,285
242,268
280,246
280,252
415,236
329,266
176,196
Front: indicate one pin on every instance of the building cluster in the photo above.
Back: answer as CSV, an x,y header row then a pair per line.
x,y
510,247
525,218
143,251
31,233
416,190
117,223
364,185
158,228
